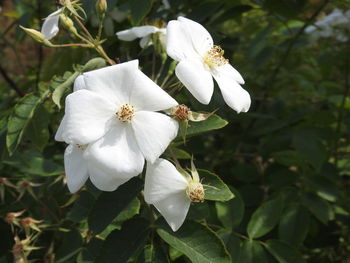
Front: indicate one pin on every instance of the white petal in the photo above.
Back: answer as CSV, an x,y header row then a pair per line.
x,y
145,41
141,31
201,39
75,167
88,117
113,82
178,42
104,180
61,129
146,95
136,32
196,78
234,95
50,26
187,39
153,131
165,188
230,71
117,153
126,35
79,83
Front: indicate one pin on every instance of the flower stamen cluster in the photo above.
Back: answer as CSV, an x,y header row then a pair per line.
x,y
215,57
126,113
181,112
195,192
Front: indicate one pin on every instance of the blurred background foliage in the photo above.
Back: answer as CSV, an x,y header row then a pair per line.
x,y
286,160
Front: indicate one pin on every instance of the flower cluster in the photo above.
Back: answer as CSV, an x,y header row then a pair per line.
x,y
335,25
117,117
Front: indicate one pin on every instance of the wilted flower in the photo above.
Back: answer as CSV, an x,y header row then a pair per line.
x,y
190,43
12,217
113,121
30,223
50,26
143,32
171,192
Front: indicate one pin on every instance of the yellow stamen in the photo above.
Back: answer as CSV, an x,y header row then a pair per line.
x,y
215,57
126,113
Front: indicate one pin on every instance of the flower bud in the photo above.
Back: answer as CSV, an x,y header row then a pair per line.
x,y
101,6
37,36
68,23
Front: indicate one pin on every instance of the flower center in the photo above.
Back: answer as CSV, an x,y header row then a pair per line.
x,y
195,192
126,113
181,112
215,57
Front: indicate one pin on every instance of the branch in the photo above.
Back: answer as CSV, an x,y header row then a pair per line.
x,y
11,83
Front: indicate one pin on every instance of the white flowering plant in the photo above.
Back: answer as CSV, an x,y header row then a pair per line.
x,y
151,134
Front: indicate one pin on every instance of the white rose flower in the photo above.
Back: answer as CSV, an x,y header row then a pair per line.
x,y
143,32
50,26
171,192
191,44
113,120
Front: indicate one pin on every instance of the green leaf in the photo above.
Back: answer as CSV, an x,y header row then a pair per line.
x,y
61,88
110,204
231,213
318,207
215,188
69,78
181,154
310,147
294,225
131,210
288,158
153,253
252,252
283,253
20,118
70,246
120,245
233,244
38,128
197,242
81,207
214,122
323,187
93,64
34,163
139,9
265,218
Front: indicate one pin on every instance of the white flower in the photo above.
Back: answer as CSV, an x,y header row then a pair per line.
x,y
114,118
50,26
143,32
190,43
170,192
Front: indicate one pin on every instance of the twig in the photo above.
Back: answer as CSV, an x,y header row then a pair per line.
x,y
341,115
11,83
